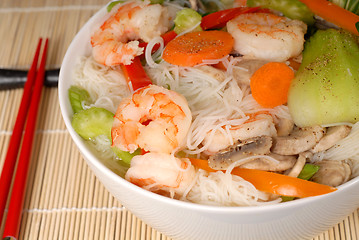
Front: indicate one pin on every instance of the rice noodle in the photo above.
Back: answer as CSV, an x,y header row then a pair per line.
x,y
106,86
345,149
215,105
148,51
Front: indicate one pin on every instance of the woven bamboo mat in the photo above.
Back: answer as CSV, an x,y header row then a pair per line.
x,y
64,200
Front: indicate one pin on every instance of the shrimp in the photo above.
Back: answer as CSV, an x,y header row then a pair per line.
x,y
267,36
115,42
154,119
161,173
258,124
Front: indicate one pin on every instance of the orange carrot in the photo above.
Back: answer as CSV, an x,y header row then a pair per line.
x,y
192,48
334,14
273,182
270,84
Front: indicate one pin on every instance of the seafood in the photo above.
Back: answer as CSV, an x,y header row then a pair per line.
x,y
161,173
154,119
267,36
116,41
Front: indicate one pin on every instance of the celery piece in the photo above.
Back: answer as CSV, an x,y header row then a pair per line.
x,y
308,171
77,96
125,156
293,9
325,89
93,122
186,19
157,1
114,3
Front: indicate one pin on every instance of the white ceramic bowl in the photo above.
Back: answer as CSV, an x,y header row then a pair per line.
x,y
300,219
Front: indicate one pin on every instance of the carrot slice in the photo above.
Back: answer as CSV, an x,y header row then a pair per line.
x,y
192,48
270,84
334,14
273,182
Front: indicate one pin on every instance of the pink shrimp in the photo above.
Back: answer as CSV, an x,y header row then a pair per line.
x,y
116,41
154,119
267,36
161,173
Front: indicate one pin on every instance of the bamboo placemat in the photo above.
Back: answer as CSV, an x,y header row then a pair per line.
x,y
64,200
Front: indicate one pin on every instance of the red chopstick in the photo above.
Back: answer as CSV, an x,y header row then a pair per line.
x,y
12,152
13,218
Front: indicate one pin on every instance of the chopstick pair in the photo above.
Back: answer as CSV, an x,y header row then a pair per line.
x,y
27,113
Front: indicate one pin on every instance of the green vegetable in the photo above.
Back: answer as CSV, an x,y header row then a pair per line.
x,y
157,1
93,122
78,95
293,9
186,19
350,5
125,156
307,173
114,3
326,86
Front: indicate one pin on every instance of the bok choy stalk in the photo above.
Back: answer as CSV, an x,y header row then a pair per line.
x,y
325,89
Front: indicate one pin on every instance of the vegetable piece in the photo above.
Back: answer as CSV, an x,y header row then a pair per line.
x,y
270,84
308,171
350,5
125,156
334,14
192,48
77,96
272,182
219,19
213,20
157,1
186,19
93,122
112,4
326,87
293,9
135,74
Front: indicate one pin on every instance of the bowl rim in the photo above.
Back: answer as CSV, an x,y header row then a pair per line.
x,y
84,149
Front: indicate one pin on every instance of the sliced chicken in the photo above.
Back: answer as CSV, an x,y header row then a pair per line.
x,y
298,167
284,127
332,136
300,140
284,163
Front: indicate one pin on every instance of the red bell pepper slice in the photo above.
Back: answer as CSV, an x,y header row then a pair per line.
x,y
220,18
135,74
